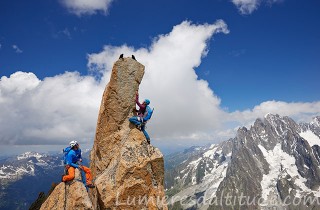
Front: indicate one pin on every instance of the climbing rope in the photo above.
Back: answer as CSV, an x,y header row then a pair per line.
x,y
65,196
65,189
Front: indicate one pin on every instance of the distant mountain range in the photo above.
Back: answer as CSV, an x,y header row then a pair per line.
x,y
24,176
274,164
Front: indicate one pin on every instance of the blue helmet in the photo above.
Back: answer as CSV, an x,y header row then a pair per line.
x,y
147,101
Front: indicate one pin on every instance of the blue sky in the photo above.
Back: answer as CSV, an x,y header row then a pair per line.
x,y
268,60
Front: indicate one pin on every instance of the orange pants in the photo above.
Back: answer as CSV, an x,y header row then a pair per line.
x,y
71,174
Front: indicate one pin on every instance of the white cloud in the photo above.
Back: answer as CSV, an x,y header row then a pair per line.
x,y
18,83
62,34
51,111
16,48
187,112
300,111
270,2
85,7
238,53
66,106
184,105
66,33
246,7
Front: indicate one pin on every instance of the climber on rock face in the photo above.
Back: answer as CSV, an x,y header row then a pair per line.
x,y
72,158
143,115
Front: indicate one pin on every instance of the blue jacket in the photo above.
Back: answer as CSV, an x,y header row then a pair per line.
x,y
73,157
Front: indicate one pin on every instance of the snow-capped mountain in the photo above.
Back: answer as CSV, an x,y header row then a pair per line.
x,y
200,168
275,163
24,176
13,169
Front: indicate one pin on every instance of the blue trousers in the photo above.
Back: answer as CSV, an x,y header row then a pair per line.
x,y
136,121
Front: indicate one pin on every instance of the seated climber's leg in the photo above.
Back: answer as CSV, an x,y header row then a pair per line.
x,y
145,133
135,120
70,176
88,175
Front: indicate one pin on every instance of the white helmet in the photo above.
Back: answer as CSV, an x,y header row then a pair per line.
x,y
73,143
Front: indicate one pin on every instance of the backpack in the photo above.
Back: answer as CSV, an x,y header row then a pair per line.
x,y
148,114
65,154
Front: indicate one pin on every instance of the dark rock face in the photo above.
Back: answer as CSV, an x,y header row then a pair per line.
x,y
249,168
274,164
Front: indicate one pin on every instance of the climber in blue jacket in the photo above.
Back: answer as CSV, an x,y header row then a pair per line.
x,y
72,157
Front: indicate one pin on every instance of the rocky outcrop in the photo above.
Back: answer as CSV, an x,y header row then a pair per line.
x,y
69,196
129,172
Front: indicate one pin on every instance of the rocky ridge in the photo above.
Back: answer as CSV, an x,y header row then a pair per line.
x,y
274,164
69,196
126,167
128,172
